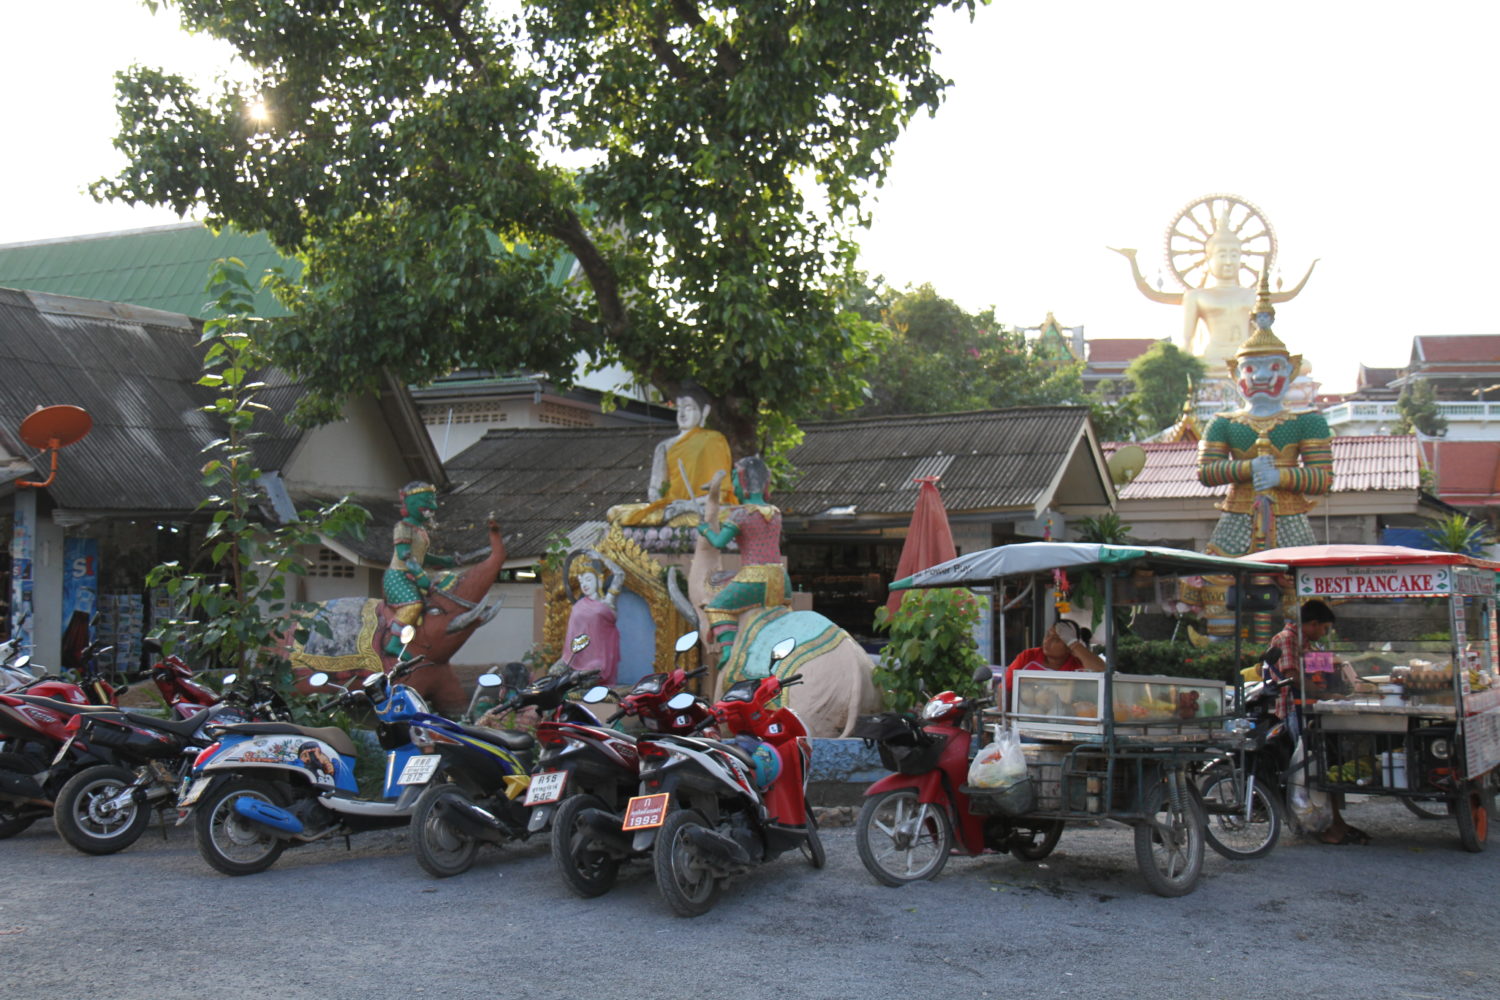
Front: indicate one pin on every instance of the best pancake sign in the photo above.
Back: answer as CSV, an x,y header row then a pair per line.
x,y
1373,581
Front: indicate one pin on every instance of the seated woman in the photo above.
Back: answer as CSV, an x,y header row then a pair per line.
x,y
1062,648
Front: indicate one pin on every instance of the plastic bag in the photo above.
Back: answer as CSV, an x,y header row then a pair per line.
x,y
1310,805
999,764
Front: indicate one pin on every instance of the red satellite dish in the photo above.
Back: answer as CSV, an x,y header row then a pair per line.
x,y
52,427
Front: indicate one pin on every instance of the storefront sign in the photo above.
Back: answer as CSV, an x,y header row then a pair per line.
x,y
1373,581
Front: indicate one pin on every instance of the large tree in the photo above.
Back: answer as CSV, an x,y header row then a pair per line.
x,y
1162,380
430,161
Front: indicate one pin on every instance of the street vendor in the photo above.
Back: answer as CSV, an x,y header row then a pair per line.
x,y
1062,648
1316,621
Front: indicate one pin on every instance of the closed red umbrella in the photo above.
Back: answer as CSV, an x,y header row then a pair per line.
x,y
929,541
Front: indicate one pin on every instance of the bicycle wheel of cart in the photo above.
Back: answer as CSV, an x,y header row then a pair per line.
x,y
901,839
1424,808
1471,809
686,882
1234,831
1169,841
1033,843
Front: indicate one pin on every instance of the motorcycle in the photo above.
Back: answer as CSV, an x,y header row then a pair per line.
x,y
104,808
913,819
1243,791
265,786
713,809
477,775
587,773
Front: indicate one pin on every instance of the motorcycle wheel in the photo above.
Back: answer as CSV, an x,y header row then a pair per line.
x,y
900,840
227,841
1229,831
688,886
82,816
1033,843
812,847
1471,809
443,849
15,817
1169,842
588,870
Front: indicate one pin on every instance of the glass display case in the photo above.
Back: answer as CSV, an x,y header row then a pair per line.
x,y
1072,702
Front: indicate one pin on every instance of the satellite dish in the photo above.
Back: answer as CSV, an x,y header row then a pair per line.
x,y
1126,463
49,428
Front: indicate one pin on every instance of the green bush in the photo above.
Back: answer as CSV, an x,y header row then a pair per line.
x,y
1180,659
932,647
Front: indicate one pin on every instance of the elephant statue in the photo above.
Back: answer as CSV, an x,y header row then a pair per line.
x,y
361,627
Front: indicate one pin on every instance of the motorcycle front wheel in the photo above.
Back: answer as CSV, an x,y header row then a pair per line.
x,y
85,817
229,842
585,866
1234,831
686,883
902,839
15,817
443,849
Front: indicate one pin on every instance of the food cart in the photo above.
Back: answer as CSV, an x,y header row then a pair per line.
x,y
1109,746
1404,701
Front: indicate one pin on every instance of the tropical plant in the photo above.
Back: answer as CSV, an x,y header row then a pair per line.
x,y
1418,409
238,612
1456,533
931,646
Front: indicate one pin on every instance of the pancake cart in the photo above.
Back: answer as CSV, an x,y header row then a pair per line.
x,y
1108,746
1405,701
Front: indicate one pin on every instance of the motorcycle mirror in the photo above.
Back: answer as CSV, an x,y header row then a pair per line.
x,y
489,680
230,679
783,649
317,680
687,641
580,643
983,674
408,633
596,694
680,701
21,661
372,680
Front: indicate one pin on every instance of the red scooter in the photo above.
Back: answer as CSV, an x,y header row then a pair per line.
x,y
713,809
907,827
588,773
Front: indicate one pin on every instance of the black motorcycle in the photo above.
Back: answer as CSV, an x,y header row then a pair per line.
x,y
1243,791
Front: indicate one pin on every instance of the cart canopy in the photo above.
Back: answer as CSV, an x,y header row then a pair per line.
x,y
1354,555
1025,558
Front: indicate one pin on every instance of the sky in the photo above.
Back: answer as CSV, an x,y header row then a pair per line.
x,y
1364,132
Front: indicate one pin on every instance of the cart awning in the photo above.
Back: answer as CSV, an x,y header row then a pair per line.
x,y
1354,555
1024,558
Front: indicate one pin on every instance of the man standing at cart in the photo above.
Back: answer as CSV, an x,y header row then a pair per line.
x,y
1316,619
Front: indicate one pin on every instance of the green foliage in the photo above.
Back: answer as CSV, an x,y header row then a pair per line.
x,y
1456,533
1418,407
238,613
1162,380
931,648
1106,529
935,358
420,160
1179,659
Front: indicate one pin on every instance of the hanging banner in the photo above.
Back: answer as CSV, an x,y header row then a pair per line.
x,y
1374,581
80,597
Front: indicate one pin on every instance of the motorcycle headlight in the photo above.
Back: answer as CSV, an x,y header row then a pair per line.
x,y
1440,748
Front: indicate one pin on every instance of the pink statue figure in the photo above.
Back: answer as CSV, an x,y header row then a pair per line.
x,y
593,615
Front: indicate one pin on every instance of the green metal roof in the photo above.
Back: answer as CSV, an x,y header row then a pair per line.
x,y
160,268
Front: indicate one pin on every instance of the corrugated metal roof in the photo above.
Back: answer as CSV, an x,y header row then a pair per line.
x,y
164,268
1360,463
545,480
134,370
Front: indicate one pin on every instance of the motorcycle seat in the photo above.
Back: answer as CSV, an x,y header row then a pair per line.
x,y
185,728
64,707
332,735
510,739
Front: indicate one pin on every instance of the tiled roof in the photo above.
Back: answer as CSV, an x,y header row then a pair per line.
x,y
164,268
1468,472
1360,463
543,480
1119,349
135,372
1439,348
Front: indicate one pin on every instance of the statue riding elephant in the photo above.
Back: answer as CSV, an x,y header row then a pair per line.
x,y
837,685
361,629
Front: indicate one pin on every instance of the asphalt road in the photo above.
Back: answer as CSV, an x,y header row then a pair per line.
x,y
1410,916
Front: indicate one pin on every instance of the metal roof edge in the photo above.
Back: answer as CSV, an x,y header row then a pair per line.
x,y
62,240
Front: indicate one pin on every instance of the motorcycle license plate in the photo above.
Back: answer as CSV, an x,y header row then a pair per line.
x,y
545,787
419,769
194,791
645,811
67,745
